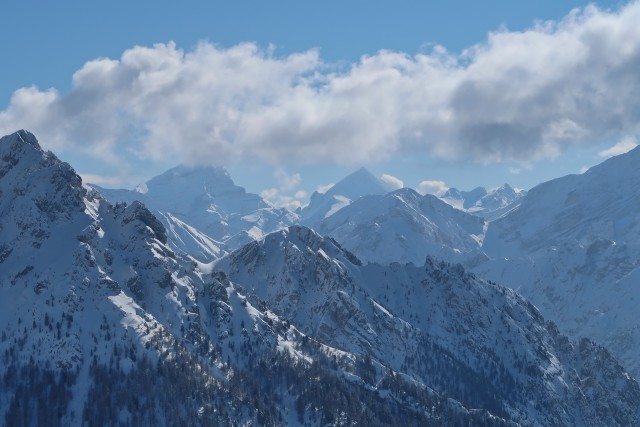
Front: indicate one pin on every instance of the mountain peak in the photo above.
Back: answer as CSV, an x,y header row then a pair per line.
x,y
54,186
197,188
204,177
352,187
295,244
138,211
358,184
22,136
466,198
302,237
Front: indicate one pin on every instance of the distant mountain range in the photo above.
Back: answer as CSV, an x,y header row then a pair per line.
x,y
567,240
204,212
196,303
489,204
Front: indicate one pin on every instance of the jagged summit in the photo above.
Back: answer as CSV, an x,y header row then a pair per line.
x,y
23,136
55,188
466,198
489,204
297,239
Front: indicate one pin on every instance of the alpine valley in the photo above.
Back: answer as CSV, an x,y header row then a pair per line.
x,y
189,301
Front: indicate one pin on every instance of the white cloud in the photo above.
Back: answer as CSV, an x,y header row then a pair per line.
x,y
625,145
518,96
270,195
289,202
324,188
104,180
432,187
393,182
276,197
583,169
287,182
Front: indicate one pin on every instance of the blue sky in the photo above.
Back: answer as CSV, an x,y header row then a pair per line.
x,y
293,125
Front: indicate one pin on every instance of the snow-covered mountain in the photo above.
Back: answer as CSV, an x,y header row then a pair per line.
x,y
462,199
469,339
489,204
404,226
573,248
102,323
358,184
204,212
86,288
571,245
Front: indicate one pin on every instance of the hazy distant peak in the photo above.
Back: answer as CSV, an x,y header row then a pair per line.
x,y
188,176
357,184
467,198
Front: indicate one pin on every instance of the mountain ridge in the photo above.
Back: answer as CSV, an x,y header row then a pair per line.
x,y
97,311
438,306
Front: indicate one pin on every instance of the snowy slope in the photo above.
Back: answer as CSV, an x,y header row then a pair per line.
x,y
467,338
573,248
75,273
102,324
322,205
204,212
599,204
403,226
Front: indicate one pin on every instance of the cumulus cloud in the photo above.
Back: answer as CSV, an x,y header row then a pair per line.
x,y
514,170
276,198
392,182
623,146
287,181
432,187
270,194
517,96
